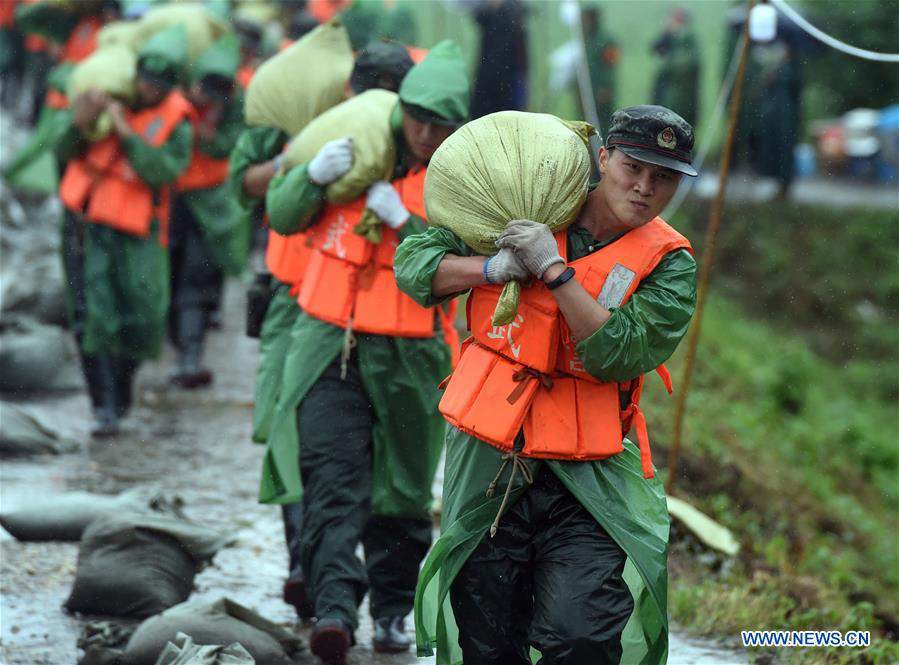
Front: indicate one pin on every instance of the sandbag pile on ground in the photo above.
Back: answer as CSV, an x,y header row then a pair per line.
x,y
137,565
37,358
364,118
504,166
220,622
23,435
183,651
64,517
302,81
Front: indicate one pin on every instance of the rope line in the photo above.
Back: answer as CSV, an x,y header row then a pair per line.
x,y
833,42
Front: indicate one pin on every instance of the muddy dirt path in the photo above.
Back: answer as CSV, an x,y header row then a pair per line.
x,y
194,445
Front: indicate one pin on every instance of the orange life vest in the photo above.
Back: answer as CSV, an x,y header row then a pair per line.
x,y
103,185
324,10
7,13
56,99
83,40
349,281
287,257
244,75
527,375
203,172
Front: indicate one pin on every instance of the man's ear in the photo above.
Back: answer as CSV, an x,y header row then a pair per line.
x,y
603,160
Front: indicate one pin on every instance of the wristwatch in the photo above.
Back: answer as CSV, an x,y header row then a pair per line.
x,y
566,275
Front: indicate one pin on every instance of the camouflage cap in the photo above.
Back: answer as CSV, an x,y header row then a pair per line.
x,y
653,134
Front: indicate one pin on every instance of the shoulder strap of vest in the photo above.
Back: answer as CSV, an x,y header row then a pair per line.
x,y
157,123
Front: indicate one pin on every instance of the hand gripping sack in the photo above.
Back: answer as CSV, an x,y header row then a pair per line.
x,y
364,118
111,70
202,26
504,166
302,81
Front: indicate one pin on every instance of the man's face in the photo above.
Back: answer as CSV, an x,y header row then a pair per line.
x,y
149,93
635,191
423,138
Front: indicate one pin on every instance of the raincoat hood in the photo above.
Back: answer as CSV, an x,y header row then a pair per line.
x,y
439,83
220,59
165,53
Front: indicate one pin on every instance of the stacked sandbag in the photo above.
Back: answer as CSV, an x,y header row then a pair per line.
x,y
504,166
302,81
138,564
23,435
220,622
64,517
203,27
366,120
37,358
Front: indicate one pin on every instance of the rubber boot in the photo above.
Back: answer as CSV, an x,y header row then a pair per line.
x,y
90,368
191,336
106,411
125,369
295,591
390,635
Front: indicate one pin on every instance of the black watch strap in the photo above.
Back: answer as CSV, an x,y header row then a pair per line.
x,y
566,275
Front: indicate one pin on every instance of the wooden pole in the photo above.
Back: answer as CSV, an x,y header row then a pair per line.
x,y
708,257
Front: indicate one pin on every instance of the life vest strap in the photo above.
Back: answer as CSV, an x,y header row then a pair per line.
x,y
665,375
639,422
521,376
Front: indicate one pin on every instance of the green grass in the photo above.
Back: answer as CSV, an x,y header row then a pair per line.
x,y
790,436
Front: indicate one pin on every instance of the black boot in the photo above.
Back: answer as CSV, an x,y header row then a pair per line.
x,y
330,640
390,635
295,591
105,412
125,369
92,379
191,335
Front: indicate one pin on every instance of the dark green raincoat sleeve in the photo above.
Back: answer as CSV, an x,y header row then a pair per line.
x,y
646,330
71,142
293,201
227,132
158,166
254,146
416,260
46,19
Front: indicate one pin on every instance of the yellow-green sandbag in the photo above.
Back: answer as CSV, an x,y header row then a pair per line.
x,y
504,166
111,70
202,26
119,33
302,81
366,119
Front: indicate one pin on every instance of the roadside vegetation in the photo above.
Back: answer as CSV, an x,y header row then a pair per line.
x,y
791,436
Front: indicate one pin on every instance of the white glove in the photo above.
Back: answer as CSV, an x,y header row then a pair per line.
x,y
384,201
533,243
504,267
333,160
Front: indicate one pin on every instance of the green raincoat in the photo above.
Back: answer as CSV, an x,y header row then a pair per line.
x,y
127,277
400,375
677,81
255,146
34,168
227,231
642,334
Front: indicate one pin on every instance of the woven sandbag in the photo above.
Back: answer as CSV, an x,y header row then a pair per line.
x,y
202,26
504,166
302,81
364,118
119,33
111,70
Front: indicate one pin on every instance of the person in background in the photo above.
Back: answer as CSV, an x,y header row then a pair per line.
x,y
602,60
209,236
544,499
677,80
501,79
116,192
254,162
355,431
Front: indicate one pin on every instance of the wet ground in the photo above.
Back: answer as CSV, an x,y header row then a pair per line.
x,y
194,445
